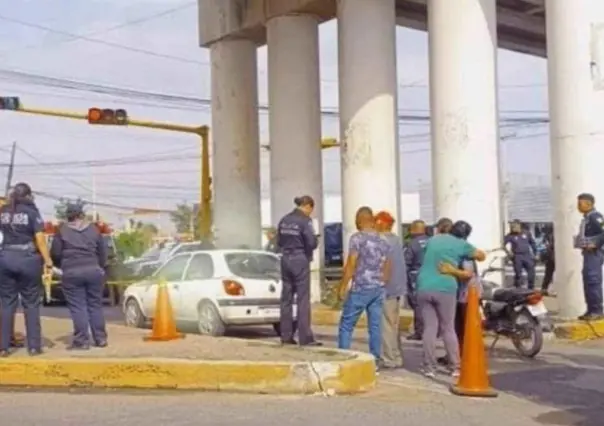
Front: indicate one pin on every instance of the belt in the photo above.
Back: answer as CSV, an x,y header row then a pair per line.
x,y
290,252
19,247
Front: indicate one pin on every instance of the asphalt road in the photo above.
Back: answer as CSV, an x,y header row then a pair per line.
x,y
564,386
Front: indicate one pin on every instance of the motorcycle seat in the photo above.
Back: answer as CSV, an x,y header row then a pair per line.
x,y
507,295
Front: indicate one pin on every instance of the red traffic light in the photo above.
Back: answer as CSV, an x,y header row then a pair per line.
x,y
107,116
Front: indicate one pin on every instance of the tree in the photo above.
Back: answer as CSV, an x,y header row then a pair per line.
x,y
186,219
139,238
61,207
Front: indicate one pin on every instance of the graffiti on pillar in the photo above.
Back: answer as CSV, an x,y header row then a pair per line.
x,y
455,130
356,146
597,56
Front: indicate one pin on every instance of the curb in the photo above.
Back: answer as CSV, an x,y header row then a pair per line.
x,y
331,318
580,330
349,376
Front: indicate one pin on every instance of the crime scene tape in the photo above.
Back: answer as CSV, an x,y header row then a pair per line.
x,y
48,282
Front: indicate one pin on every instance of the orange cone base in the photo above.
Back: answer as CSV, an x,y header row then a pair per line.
x,y
175,336
476,393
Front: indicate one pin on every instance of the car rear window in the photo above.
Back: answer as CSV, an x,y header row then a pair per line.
x,y
254,265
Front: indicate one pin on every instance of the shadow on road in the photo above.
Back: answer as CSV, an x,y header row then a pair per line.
x,y
573,388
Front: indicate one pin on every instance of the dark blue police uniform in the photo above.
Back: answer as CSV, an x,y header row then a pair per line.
x,y
524,249
80,251
414,258
21,269
592,232
296,240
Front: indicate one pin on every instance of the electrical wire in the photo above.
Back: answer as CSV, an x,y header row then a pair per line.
x,y
122,92
101,42
125,24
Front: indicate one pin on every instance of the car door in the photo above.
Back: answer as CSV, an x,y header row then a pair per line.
x,y
196,285
172,271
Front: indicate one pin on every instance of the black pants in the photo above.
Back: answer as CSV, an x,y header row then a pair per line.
x,y
418,325
550,267
592,281
83,291
295,276
21,278
460,324
524,263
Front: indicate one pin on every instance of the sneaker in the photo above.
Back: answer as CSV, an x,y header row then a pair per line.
x,y
428,372
454,372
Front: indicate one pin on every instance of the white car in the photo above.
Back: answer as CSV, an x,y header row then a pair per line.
x,y
213,289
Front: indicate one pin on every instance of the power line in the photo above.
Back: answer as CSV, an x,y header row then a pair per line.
x,y
121,92
101,42
88,38
125,24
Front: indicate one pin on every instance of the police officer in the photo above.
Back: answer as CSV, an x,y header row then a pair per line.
x,y
520,246
590,241
80,251
414,257
549,257
296,241
23,256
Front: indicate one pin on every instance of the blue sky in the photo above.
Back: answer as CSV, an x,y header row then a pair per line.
x,y
149,25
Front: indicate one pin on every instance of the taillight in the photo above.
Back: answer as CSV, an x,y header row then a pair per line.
x,y
534,298
233,288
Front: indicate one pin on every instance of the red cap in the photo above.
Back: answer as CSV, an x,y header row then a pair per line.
x,y
384,217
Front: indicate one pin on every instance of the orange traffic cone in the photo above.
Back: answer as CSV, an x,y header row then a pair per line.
x,y
474,377
164,327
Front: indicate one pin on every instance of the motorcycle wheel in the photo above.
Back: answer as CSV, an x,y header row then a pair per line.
x,y
528,335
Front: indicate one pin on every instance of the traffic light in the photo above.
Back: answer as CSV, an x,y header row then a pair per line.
x,y
11,103
107,116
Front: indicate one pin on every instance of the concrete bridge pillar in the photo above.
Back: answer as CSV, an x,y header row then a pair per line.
x,y
295,121
575,50
368,108
463,103
235,144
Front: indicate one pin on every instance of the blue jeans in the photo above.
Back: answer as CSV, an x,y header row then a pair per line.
x,y
357,302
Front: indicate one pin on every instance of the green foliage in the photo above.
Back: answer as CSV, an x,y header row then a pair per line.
x,y
186,219
133,243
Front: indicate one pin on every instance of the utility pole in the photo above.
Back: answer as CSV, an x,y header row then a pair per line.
x,y
11,169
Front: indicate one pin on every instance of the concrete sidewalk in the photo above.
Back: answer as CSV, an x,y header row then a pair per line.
x,y
194,363
563,329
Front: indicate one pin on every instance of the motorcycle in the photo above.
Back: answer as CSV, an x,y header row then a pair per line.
x,y
512,312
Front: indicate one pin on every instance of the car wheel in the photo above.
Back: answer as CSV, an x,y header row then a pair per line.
x,y
277,328
133,315
209,322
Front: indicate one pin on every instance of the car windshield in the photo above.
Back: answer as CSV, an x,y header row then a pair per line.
x,y
254,265
151,254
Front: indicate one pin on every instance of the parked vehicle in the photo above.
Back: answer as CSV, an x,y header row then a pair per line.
x,y
212,289
515,313
113,270
146,265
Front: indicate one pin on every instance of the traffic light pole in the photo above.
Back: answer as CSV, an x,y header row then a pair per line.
x,y
205,205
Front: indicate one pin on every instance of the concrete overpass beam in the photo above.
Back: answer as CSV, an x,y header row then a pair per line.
x,y
463,103
368,108
295,120
236,146
575,47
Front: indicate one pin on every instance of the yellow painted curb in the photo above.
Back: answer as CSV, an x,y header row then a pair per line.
x,y
331,317
349,376
580,330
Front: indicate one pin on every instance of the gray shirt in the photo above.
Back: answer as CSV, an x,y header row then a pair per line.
x,y
397,286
